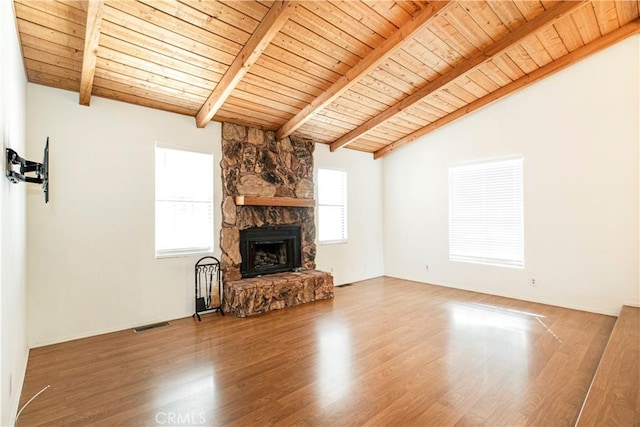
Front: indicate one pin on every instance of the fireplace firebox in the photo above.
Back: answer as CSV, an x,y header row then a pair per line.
x,y
267,250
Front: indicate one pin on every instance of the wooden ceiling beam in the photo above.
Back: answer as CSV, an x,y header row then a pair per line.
x,y
555,66
365,65
263,35
95,10
538,23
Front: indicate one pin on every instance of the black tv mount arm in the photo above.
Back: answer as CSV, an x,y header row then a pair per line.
x,y
26,166
41,170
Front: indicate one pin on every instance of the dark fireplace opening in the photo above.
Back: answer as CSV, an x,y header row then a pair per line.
x,y
267,250
270,254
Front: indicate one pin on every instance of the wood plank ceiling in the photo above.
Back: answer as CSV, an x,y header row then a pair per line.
x,y
368,75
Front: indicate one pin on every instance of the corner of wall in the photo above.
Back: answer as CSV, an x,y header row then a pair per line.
x,y
637,116
14,351
582,228
362,256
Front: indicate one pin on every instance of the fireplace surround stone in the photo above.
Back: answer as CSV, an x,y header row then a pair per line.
x,y
247,297
255,164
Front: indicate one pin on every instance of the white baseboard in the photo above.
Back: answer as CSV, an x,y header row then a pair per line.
x,y
92,333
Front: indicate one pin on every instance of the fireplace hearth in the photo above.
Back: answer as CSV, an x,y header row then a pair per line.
x,y
268,250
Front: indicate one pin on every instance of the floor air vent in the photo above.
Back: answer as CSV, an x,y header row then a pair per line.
x,y
152,326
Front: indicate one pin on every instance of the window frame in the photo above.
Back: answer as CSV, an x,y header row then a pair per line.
x,y
344,206
516,196
175,253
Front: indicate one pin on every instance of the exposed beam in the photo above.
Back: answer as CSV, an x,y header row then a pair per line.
x,y
541,21
95,10
555,66
267,29
365,66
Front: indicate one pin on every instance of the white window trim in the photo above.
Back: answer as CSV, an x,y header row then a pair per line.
x,y
183,147
346,208
332,242
182,253
185,252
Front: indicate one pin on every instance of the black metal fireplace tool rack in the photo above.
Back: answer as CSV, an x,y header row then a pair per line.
x,y
208,286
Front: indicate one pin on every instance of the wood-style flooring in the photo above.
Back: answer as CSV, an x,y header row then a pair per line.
x,y
614,395
382,352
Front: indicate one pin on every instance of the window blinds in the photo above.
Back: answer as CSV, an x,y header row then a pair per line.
x,y
486,213
332,206
184,202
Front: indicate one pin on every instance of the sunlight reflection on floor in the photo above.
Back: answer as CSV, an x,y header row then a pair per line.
x,y
499,342
197,386
334,367
483,316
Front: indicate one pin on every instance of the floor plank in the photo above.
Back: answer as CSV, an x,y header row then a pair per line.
x,y
382,352
614,396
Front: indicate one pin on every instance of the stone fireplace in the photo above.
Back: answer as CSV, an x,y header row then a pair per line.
x,y
255,166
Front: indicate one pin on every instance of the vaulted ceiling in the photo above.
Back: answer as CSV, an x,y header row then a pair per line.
x,y
366,75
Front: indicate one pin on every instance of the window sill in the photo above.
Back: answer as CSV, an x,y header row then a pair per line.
x,y
332,242
184,254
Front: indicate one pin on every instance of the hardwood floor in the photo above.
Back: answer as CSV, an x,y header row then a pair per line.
x,y
383,352
614,395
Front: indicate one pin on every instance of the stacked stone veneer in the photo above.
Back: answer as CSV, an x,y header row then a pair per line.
x,y
255,164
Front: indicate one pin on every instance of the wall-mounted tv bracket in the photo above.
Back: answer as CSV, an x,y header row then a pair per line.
x,y
40,170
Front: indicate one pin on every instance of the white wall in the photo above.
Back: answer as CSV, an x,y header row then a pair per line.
x,y
92,265
361,257
13,282
579,133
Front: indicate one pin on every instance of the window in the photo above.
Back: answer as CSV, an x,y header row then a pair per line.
x,y
184,202
332,206
485,213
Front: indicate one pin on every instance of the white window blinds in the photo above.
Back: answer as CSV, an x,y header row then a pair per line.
x,y
184,202
486,213
332,206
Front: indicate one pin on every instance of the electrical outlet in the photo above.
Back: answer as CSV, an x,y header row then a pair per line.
x,y
533,283
427,267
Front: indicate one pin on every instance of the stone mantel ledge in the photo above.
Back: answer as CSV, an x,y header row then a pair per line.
x,y
247,297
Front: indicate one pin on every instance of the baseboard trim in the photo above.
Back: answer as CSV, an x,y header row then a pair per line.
x,y
544,301
93,333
